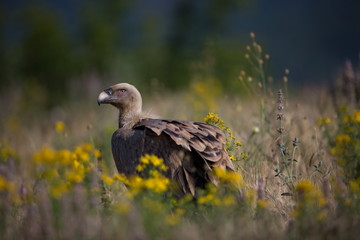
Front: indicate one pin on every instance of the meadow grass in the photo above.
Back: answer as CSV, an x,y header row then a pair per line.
x,y
296,156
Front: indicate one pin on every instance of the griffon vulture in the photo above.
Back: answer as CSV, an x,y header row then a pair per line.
x,y
190,149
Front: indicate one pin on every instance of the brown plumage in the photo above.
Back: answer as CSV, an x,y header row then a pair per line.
x,y
190,149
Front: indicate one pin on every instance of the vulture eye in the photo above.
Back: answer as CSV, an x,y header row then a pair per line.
x,y
122,90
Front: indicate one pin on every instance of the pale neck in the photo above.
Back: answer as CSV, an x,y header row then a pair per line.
x,y
127,119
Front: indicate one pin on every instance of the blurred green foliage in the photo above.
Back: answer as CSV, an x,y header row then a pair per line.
x,y
46,54
55,47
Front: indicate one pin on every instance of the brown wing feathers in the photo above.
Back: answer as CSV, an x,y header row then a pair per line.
x,y
207,140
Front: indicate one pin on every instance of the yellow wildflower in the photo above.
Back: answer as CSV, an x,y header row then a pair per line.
x,y
59,126
356,116
304,186
107,179
135,183
11,188
158,185
3,183
5,151
121,178
309,193
342,139
84,157
219,172
64,156
206,199
151,160
213,118
355,187
310,201
98,153
323,121
58,190
73,176
156,161
76,164
82,152
262,203
229,200
46,155
154,173
163,168
140,168
145,159
229,177
87,147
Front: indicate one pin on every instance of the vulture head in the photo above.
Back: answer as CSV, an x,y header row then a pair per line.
x,y
127,99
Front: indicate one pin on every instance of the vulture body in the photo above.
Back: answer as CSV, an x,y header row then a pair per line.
x,y
190,149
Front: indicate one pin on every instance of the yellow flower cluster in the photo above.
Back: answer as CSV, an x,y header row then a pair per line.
x,y
354,186
310,200
342,139
151,160
10,188
5,185
352,118
214,198
262,204
6,151
63,168
341,143
213,118
307,191
156,183
107,179
152,177
231,143
323,121
229,177
211,197
356,116
227,180
346,144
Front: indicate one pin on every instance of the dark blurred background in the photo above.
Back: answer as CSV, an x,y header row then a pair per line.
x,y
53,46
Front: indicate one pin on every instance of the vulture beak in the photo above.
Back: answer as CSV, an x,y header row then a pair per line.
x,y
104,96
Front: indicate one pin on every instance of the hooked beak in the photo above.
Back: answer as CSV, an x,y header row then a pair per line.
x,y
103,98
